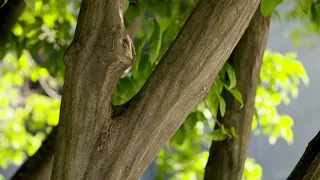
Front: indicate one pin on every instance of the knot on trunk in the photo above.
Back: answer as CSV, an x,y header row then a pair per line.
x,y
124,48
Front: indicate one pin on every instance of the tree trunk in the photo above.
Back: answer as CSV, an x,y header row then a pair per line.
x,y
39,166
93,144
308,168
226,159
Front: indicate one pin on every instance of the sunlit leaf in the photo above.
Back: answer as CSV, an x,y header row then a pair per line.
x,y
268,6
234,133
236,94
305,5
252,170
286,121
231,74
218,135
225,130
17,30
222,106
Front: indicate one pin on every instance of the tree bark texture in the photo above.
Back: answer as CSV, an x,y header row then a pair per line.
x,y
93,144
9,15
39,166
308,168
226,158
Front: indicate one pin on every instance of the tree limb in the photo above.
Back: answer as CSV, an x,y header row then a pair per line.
x,y
93,145
226,158
181,80
308,166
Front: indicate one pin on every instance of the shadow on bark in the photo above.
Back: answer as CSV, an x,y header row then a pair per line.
x,y
226,159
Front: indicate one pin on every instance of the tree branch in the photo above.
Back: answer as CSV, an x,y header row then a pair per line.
x,y
93,145
226,158
95,60
180,81
308,166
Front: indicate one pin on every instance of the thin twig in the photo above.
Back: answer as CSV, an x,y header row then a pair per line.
x,y
46,87
216,120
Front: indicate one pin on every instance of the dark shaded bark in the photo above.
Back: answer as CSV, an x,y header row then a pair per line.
x,y
308,166
39,166
91,144
226,159
9,15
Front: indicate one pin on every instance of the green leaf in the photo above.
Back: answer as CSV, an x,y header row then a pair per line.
x,y
145,68
127,5
218,135
224,130
305,5
155,42
268,6
135,66
231,74
315,13
287,135
17,29
252,170
222,106
180,135
236,94
3,52
31,4
286,121
233,133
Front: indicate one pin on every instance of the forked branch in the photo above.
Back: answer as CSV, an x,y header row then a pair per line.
x,y
93,145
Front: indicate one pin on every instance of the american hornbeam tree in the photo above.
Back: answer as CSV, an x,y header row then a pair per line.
x,y
95,142
102,135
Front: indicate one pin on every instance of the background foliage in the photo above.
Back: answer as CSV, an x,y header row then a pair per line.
x,y
32,72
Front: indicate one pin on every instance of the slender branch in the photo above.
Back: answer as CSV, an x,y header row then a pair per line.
x,y
308,165
91,143
180,80
49,91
